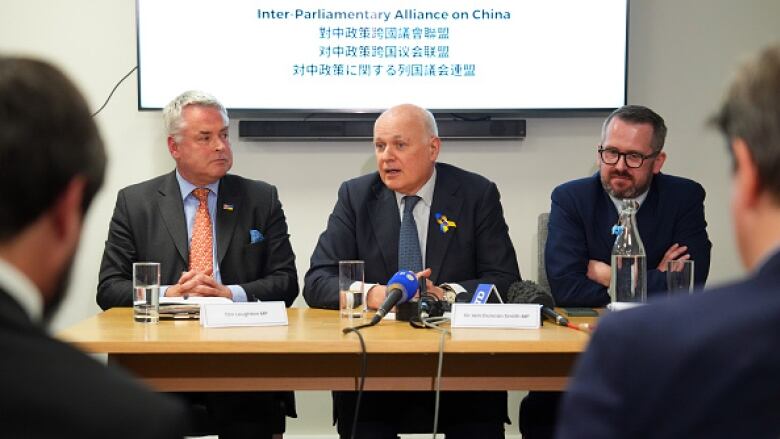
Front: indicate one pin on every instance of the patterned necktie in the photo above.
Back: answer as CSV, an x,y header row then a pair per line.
x,y
201,246
409,254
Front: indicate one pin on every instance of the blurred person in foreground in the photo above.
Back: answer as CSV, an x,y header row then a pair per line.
x,y
52,162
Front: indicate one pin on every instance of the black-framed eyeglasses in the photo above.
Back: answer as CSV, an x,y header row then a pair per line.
x,y
610,156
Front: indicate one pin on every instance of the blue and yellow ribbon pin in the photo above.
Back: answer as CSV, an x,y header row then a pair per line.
x,y
445,224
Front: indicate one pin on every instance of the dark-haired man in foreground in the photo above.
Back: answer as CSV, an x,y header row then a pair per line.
x,y
52,163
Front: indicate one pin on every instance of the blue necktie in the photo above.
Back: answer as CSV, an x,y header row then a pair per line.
x,y
409,255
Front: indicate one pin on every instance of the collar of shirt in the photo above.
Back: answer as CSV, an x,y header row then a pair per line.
x,y
618,202
21,289
421,212
186,187
425,193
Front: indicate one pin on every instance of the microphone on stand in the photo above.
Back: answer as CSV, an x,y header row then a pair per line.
x,y
400,288
528,291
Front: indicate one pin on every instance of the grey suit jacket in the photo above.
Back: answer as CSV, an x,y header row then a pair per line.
x,y
148,225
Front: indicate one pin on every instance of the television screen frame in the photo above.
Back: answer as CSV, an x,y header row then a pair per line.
x,y
465,113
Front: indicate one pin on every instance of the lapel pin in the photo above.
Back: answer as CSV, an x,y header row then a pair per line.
x,y
228,207
445,224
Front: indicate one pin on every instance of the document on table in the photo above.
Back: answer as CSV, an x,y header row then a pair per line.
x,y
189,308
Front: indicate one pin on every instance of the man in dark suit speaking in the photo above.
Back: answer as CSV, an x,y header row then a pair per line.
x,y
705,365
52,163
454,223
214,234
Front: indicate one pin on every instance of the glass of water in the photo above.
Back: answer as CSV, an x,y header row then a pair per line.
x,y
351,289
146,292
679,277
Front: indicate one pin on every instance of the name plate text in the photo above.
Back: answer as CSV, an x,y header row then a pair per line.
x,y
496,315
220,315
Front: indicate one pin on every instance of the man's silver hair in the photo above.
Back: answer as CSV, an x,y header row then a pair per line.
x,y
429,122
172,112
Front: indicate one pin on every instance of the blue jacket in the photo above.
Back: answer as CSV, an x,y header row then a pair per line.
x,y
580,228
699,366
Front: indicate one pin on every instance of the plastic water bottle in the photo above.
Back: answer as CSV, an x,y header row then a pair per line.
x,y
629,260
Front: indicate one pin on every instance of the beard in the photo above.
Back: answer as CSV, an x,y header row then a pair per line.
x,y
58,295
631,191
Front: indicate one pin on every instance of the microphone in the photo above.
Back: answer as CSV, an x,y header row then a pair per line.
x,y
527,291
400,288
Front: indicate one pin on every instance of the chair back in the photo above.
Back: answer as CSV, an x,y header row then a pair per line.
x,y
541,275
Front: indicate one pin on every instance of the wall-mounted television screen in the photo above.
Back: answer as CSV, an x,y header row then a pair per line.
x,y
357,56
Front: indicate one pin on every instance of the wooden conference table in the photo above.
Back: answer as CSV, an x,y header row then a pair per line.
x,y
313,354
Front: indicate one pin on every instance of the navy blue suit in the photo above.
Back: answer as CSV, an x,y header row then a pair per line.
x,y
50,389
365,225
702,366
581,219
580,228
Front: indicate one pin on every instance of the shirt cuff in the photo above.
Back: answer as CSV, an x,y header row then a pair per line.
x,y
239,295
455,287
163,289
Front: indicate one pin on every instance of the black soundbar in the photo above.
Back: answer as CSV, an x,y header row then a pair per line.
x,y
362,129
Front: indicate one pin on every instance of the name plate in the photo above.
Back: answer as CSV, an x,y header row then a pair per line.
x,y
221,315
483,294
496,315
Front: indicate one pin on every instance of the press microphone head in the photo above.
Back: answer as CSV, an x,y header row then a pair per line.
x,y
400,288
528,291
406,282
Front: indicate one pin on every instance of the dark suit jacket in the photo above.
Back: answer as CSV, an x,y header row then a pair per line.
x,y
704,366
148,225
365,224
50,389
580,228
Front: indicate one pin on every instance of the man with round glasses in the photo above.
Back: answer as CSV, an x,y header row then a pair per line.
x,y
579,242
670,218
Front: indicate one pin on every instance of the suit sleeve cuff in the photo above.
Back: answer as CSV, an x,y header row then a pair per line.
x,y
458,288
239,295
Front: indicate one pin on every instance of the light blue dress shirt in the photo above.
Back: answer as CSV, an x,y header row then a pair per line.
x,y
191,204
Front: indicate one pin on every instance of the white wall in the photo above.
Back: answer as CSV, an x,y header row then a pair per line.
x,y
681,54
